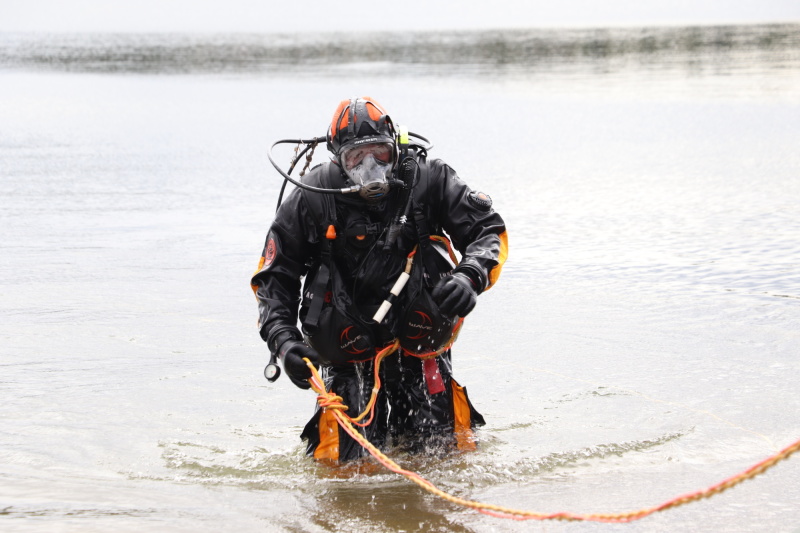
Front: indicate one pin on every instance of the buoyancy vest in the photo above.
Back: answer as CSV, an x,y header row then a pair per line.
x,y
343,332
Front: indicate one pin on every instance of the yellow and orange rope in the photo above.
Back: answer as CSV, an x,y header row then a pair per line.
x,y
329,400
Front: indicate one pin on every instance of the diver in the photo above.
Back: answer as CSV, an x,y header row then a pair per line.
x,y
361,252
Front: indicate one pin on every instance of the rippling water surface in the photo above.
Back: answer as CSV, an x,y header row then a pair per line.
x,y
642,343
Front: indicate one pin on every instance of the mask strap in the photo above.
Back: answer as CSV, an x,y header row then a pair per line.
x,y
351,119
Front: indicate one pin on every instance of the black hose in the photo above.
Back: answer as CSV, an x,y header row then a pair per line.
x,y
407,174
346,190
287,177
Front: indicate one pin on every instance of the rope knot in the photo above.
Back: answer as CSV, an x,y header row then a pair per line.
x,y
328,400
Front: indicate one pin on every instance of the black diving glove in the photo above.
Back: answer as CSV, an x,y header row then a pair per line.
x,y
292,353
455,294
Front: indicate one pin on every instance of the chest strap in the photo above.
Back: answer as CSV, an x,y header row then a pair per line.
x,y
322,208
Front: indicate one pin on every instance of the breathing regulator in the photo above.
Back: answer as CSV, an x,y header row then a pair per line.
x,y
405,168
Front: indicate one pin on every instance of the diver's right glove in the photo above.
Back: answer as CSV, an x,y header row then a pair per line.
x,y
455,294
292,352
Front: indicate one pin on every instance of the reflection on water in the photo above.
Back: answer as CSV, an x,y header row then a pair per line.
x,y
695,49
385,506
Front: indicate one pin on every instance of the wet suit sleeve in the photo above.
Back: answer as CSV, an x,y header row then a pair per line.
x,y
477,231
276,283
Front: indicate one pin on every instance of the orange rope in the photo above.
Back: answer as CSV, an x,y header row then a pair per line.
x,y
446,242
517,514
329,400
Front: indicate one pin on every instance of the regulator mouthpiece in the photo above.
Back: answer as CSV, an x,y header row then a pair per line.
x,y
372,176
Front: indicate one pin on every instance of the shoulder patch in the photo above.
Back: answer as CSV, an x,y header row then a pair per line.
x,y
270,251
480,200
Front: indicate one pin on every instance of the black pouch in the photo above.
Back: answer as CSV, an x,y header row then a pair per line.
x,y
336,337
424,329
339,340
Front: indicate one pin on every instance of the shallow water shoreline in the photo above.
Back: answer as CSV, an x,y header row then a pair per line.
x,y
641,342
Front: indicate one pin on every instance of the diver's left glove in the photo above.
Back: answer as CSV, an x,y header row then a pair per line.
x,y
292,352
456,294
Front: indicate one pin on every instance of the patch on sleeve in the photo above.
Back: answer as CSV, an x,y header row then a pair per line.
x,y
270,251
480,200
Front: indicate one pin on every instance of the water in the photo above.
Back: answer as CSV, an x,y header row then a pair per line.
x,y
642,342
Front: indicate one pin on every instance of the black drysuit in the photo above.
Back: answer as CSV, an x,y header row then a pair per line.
x,y
419,403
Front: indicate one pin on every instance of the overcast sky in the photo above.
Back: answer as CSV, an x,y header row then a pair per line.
x,y
325,15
